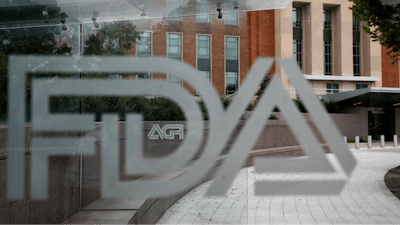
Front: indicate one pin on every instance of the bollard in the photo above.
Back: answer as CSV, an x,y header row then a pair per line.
x,y
357,142
382,141
395,140
345,139
369,141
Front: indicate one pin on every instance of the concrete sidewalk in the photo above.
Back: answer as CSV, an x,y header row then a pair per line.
x,y
365,198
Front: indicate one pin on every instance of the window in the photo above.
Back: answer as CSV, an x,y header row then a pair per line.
x,y
230,18
297,36
143,46
203,55
356,45
203,7
332,88
143,49
327,42
174,51
361,86
232,64
174,9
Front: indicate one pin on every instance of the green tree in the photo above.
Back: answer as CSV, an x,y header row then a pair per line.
x,y
112,39
27,41
263,86
383,22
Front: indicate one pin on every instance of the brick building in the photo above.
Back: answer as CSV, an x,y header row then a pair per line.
x,y
216,47
324,37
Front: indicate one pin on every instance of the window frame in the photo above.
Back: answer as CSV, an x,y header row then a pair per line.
x,y
210,53
359,85
298,43
238,59
332,90
208,16
356,46
327,47
181,52
234,14
151,51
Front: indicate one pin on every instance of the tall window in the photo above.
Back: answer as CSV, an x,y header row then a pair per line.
x,y
143,49
297,36
356,45
174,9
230,18
327,42
332,88
203,7
232,64
203,55
174,51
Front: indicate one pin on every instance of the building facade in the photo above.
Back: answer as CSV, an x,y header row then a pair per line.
x,y
324,37
326,40
216,47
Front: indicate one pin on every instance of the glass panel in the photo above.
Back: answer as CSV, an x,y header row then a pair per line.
x,y
174,9
206,74
230,18
231,82
203,7
121,30
231,48
174,79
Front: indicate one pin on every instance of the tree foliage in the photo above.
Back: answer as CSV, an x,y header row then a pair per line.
x,y
27,41
383,23
112,39
263,86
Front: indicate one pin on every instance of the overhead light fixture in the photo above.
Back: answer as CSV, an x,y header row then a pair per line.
x,y
94,18
219,10
396,104
142,6
46,15
62,20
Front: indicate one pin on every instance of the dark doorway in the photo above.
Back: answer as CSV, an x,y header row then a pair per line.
x,y
381,123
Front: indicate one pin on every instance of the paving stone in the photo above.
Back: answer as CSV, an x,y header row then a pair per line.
x,y
363,200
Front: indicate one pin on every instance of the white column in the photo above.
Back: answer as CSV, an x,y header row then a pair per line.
x,y
395,140
382,141
369,141
345,139
357,142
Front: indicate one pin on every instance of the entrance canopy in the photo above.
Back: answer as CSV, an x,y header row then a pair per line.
x,y
368,97
26,13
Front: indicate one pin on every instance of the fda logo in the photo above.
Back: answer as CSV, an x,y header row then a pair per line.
x,y
220,128
174,129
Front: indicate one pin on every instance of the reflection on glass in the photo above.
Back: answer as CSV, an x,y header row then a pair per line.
x,y
203,55
174,51
174,10
232,64
203,7
230,18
